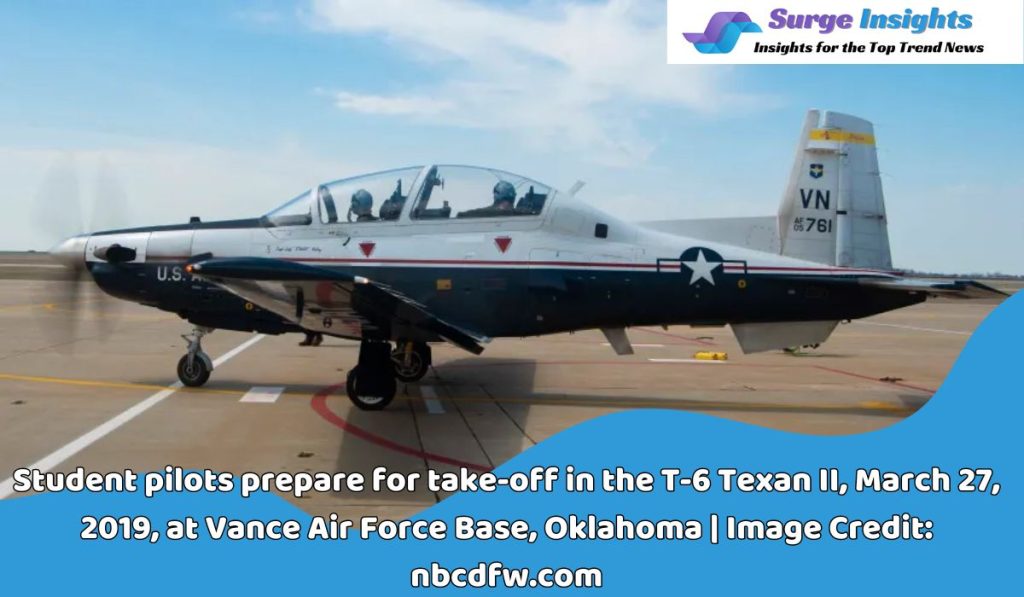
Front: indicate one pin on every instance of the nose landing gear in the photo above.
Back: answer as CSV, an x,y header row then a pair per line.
x,y
195,367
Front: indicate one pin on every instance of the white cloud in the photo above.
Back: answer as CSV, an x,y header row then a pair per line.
x,y
391,106
576,74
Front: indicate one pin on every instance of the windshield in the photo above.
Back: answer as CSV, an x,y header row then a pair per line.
x,y
366,198
462,192
295,212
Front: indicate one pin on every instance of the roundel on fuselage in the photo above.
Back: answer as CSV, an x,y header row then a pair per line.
x,y
692,253
700,263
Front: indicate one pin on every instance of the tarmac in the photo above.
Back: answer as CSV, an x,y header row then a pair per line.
x,y
101,393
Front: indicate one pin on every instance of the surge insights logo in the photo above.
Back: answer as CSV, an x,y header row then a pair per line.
x,y
722,32
846,32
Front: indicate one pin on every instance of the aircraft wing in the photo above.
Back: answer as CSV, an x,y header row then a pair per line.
x,y
328,301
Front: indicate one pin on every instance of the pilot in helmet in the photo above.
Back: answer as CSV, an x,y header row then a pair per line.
x,y
504,203
504,196
362,206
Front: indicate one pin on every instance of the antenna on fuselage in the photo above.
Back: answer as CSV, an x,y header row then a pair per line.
x,y
576,186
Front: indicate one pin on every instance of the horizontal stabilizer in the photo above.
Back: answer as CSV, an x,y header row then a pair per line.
x,y
756,233
965,289
761,337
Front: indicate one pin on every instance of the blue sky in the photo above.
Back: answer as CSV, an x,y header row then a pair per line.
x,y
224,109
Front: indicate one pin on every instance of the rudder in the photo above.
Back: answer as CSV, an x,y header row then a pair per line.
x,y
833,210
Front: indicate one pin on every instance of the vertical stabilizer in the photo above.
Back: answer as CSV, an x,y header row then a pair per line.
x,y
833,210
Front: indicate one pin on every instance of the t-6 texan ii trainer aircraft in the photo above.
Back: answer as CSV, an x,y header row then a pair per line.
x,y
461,254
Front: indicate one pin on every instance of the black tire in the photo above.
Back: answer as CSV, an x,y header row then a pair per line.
x,y
387,390
195,375
419,363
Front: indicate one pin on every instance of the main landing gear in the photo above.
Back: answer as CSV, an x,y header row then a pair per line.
x,y
412,360
371,385
195,367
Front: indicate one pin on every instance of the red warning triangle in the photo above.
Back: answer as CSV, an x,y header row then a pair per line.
x,y
367,248
503,243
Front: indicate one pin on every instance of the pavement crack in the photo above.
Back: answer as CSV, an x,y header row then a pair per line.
x,y
507,414
419,440
490,463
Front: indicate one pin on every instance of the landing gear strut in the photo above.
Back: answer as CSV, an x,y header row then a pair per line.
x,y
412,360
371,384
195,367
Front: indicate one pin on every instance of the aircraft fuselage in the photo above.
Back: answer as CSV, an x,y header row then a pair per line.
x,y
501,280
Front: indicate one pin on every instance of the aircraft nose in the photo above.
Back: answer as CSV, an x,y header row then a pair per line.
x,y
71,252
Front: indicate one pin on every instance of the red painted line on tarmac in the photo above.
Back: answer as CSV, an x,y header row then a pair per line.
x,y
874,379
319,404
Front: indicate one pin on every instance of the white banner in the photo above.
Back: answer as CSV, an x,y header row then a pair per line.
x,y
845,32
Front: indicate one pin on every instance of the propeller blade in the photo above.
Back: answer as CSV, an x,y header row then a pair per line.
x,y
57,211
59,303
110,207
110,211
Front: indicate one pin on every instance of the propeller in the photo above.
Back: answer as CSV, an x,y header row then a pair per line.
x,y
72,297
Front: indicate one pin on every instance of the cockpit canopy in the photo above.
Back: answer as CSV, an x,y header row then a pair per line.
x,y
438,193
471,192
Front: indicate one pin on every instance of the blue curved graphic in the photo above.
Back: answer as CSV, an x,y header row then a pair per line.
x,y
722,32
972,421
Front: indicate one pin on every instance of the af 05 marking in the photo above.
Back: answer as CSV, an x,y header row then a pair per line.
x,y
822,225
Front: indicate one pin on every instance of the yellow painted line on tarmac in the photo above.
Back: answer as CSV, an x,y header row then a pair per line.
x,y
91,383
66,308
879,405
47,306
69,450
681,404
597,401
52,306
672,403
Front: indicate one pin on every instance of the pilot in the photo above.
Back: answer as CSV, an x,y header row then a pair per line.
x,y
392,208
504,202
362,206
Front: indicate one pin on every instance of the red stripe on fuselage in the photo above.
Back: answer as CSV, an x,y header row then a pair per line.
x,y
566,264
571,264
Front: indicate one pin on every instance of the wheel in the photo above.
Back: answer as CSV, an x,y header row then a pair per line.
x,y
366,397
412,367
195,374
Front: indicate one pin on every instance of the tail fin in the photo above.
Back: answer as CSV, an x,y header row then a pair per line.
x,y
833,211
